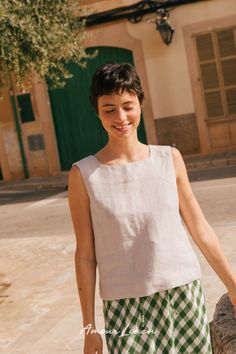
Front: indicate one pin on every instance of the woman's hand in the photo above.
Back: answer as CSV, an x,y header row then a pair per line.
x,y
93,343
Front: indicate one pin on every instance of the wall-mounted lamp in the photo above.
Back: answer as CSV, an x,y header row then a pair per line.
x,y
163,25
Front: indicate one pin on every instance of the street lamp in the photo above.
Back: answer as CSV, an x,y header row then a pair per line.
x,y
163,25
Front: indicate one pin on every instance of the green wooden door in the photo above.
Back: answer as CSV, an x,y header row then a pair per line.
x,y
78,129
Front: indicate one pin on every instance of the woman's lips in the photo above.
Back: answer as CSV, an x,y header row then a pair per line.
x,y
122,129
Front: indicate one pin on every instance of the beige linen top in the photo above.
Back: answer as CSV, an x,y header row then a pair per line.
x,y
141,243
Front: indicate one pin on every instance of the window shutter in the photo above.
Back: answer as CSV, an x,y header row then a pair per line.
x,y
227,59
226,42
229,71
209,76
205,47
214,104
231,100
216,52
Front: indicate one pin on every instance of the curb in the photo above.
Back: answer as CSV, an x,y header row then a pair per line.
x,y
48,183
210,163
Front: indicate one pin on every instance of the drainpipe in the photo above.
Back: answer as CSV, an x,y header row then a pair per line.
x,y
18,127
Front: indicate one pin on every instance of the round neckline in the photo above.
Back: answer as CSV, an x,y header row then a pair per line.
x,y
127,163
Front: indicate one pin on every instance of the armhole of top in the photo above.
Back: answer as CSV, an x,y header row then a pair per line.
x,y
83,175
172,164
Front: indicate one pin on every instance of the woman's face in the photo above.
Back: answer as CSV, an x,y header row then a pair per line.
x,y
119,113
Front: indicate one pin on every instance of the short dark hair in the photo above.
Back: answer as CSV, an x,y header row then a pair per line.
x,y
112,78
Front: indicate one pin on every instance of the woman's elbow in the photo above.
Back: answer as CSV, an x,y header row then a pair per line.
x,y
84,256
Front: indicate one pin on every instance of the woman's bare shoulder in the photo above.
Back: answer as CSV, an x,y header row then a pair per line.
x,y
178,161
76,185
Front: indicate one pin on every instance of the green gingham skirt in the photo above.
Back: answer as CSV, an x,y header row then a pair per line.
x,y
167,322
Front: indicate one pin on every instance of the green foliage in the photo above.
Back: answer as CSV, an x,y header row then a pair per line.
x,y
41,36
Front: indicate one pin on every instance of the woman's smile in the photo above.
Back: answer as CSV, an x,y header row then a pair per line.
x,y
124,128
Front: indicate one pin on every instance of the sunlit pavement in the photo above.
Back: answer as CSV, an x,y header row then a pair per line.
x,y
39,304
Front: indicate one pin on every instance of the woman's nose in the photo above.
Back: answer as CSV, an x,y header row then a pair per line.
x,y
121,115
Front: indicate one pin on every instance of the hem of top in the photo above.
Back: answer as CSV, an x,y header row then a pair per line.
x,y
153,291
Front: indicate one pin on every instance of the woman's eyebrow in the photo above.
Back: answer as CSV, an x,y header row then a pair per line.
x,y
111,104
130,101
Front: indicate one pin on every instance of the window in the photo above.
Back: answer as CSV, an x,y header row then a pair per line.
x,y
216,52
25,108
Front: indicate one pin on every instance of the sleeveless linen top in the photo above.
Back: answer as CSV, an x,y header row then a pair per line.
x,y
141,242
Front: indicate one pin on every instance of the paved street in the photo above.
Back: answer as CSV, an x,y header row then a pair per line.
x,y
39,304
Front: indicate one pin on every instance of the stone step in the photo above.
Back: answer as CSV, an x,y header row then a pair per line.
x,y
210,160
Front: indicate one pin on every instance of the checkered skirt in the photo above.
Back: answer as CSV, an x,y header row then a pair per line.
x,y
167,322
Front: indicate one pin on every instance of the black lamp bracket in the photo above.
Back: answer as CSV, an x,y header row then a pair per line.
x,y
135,12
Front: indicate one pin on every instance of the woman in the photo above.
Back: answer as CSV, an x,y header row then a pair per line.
x,y
126,203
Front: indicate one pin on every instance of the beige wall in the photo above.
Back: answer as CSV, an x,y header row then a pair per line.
x,y
40,162
11,165
167,67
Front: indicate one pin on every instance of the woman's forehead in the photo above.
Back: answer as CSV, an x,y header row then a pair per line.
x,y
124,97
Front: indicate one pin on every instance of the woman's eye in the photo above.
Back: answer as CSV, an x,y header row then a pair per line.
x,y
110,111
113,110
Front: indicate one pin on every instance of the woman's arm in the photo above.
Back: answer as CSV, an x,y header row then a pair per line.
x,y
199,229
85,259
